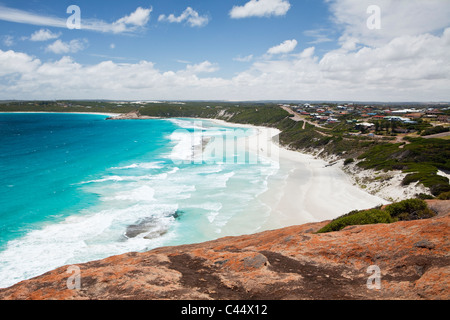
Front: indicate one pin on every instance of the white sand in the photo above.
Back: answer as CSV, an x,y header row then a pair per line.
x,y
386,185
305,189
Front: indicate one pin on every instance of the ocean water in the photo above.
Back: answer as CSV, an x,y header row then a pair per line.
x,y
76,188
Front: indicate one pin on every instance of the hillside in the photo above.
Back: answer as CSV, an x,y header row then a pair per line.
x,y
290,263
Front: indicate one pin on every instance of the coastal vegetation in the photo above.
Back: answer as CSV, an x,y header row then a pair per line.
x,y
406,210
372,216
420,158
444,196
435,130
411,209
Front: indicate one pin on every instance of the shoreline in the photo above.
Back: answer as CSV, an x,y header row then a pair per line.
x,y
325,184
321,195
312,190
387,186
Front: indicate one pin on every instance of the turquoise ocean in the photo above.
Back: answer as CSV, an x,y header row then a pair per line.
x,y
77,187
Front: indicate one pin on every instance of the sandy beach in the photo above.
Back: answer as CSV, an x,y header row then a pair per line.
x,y
308,189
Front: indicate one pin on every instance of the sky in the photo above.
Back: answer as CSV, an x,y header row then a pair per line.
x,y
330,50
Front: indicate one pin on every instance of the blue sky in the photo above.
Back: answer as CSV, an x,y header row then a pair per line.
x,y
222,39
232,50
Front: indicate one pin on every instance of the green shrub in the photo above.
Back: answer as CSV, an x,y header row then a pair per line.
x,y
444,196
411,209
371,216
437,189
410,178
434,130
348,161
424,196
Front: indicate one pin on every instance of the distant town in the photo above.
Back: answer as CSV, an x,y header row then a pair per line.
x,y
373,119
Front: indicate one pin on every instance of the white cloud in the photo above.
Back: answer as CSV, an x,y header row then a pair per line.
x,y
260,8
189,15
12,62
138,19
20,16
8,41
408,67
59,47
307,53
44,35
320,35
67,78
398,18
285,47
244,59
204,67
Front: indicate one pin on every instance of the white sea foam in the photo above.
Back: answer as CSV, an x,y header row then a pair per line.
x,y
219,180
206,169
175,191
174,170
110,178
188,124
213,209
183,146
81,238
143,193
191,146
141,165
116,178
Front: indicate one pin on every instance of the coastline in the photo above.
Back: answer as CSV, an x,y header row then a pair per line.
x,y
312,190
386,186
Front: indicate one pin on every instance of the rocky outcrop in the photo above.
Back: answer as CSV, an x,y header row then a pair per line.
x,y
133,115
412,258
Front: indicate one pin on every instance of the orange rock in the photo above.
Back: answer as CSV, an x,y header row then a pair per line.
x,y
290,263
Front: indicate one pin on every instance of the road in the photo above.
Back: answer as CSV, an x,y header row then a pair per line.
x,y
297,117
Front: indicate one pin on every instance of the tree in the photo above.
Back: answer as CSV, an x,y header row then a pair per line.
x,y
393,126
377,126
387,125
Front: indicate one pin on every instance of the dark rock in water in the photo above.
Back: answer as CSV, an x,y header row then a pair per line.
x,y
142,226
152,227
178,214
